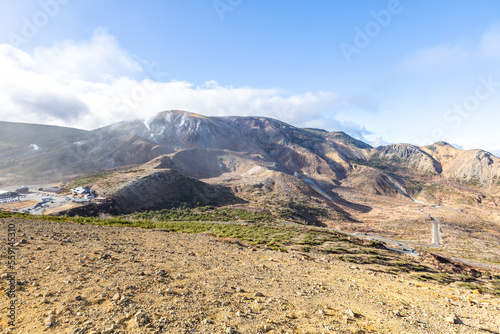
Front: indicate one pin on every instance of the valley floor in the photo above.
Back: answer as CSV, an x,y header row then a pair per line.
x,y
467,232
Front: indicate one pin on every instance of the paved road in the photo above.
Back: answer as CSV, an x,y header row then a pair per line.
x,y
477,264
399,246
436,240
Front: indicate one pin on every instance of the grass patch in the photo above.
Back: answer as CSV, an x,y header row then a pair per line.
x,y
375,244
338,250
468,285
207,213
424,277
89,179
467,278
280,238
443,278
314,238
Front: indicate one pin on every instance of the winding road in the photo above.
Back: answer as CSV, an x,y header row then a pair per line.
x,y
400,246
405,249
436,240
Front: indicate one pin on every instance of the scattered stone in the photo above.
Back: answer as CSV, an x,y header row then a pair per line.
x,y
350,313
111,329
453,319
141,318
50,321
160,273
212,289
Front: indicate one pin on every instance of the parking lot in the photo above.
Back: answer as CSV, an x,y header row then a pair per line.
x,y
11,199
36,201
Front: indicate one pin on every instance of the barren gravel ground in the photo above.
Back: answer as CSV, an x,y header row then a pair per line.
x,y
89,279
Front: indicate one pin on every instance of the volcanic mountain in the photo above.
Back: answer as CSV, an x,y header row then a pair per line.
x,y
244,157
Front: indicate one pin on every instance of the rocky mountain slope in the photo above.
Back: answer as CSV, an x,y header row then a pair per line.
x,y
243,152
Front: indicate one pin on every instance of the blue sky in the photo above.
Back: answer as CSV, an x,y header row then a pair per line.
x,y
383,71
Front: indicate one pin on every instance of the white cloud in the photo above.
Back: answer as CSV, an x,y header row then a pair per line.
x,y
477,142
439,58
95,60
438,93
489,46
93,83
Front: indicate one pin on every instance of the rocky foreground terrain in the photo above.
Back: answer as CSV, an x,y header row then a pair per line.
x,y
75,278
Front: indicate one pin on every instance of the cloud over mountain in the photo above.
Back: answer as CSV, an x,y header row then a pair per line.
x,y
96,82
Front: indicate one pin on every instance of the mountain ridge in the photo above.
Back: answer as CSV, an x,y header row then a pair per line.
x,y
327,156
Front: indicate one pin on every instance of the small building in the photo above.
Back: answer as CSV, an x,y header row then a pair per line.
x,y
54,190
81,191
23,190
81,200
7,194
101,200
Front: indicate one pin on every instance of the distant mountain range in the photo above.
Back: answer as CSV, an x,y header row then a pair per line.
x,y
246,155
